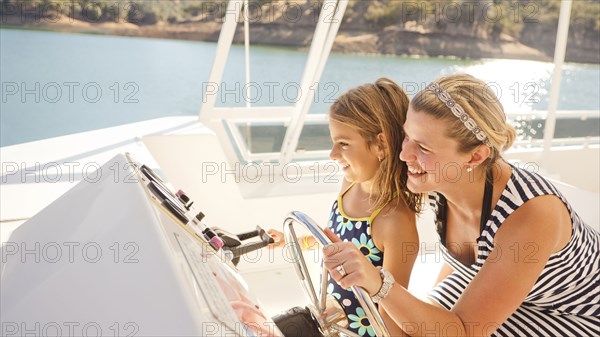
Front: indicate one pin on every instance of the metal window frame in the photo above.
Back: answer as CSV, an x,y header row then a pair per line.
x,y
223,120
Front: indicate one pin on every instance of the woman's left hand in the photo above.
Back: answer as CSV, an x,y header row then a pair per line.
x,y
348,266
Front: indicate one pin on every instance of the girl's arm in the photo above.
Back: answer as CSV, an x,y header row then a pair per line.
x,y
395,233
306,242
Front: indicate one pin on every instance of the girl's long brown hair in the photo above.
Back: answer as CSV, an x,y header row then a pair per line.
x,y
372,109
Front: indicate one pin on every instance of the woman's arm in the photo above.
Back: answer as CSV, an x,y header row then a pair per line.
x,y
408,312
523,245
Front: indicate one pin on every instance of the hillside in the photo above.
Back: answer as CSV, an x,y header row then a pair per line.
x,y
466,29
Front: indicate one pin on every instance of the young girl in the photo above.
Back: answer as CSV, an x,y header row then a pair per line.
x,y
519,260
374,211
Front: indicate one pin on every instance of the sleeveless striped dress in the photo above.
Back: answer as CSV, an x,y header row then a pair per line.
x,y
565,300
357,231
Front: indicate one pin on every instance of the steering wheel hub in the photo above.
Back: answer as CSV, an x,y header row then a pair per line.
x,y
333,314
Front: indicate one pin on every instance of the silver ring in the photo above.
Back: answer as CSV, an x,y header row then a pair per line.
x,y
340,269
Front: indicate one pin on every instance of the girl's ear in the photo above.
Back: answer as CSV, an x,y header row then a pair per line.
x,y
479,155
381,146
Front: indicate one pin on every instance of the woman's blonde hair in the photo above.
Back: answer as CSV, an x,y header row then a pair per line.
x,y
372,109
479,101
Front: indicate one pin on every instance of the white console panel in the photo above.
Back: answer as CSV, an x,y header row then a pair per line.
x,y
107,259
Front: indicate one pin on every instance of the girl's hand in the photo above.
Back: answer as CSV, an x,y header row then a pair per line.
x,y
348,266
278,237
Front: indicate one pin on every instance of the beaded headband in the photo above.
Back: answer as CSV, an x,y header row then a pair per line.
x,y
459,112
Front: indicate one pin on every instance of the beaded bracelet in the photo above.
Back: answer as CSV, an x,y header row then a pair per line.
x,y
386,286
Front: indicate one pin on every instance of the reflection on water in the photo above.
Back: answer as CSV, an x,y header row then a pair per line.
x,y
520,85
55,84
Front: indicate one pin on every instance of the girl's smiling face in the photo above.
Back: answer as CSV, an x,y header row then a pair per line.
x,y
358,159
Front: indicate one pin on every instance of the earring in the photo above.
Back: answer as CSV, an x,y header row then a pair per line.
x,y
469,169
380,159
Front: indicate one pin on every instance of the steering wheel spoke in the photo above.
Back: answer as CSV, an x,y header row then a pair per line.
x,y
343,330
300,265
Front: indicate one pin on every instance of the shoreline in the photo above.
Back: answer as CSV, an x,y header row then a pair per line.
x,y
393,41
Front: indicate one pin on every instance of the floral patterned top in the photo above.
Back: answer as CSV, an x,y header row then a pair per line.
x,y
357,231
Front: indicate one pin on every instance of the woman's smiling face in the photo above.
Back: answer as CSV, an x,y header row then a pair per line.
x,y
433,158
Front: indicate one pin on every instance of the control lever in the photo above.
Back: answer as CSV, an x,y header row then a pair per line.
x,y
233,242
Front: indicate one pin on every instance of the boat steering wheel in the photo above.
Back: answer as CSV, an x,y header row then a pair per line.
x,y
326,310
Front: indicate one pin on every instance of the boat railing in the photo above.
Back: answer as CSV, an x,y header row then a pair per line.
x,y
241,121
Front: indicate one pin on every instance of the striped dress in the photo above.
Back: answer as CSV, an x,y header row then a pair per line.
x,y
565,300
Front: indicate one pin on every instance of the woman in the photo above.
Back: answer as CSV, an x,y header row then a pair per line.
x,y
519,260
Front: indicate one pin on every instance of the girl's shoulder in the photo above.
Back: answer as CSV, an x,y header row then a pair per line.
x,y
395,221
395,211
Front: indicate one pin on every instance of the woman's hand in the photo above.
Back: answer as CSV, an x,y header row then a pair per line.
x,y
348,266
278,237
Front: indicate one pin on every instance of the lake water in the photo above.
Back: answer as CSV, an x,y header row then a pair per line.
x,y
56,84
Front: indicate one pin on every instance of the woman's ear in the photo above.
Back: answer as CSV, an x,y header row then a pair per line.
x,y
479,155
